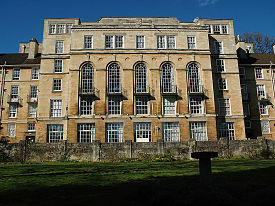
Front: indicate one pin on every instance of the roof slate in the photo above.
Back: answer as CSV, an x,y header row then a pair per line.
x,y
258,59
18,59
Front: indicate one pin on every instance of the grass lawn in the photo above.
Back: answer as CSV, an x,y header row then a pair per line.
x,y
234,182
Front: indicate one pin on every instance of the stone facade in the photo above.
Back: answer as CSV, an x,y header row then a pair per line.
x,y
120,79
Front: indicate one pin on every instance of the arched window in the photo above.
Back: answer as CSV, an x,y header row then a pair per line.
x,y
194,78
87,79
114,84
168,84
141,78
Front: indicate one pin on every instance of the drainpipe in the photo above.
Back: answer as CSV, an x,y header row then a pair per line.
x,y
273,82
2,90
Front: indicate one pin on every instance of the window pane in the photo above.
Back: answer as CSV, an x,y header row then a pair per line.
x,y
87,79
59,47
86,132
114,105
16,74
169,105
114,132
168,85
88,42
198,131
86,106
196,105
142,132
55,132
194,78
58,63
161,42
141,78
56,108
171,42
140,42
35,74
226,129
170,131
114,78
141,105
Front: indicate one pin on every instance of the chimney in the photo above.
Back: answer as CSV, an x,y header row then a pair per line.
x,y
33,48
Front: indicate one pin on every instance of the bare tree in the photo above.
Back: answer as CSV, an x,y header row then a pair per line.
x,y
261,43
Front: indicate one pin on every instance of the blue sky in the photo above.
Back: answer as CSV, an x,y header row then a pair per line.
x,y
23,20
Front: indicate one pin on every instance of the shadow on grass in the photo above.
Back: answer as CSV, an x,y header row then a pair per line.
x,y
251,187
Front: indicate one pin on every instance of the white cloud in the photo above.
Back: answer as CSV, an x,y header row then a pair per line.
x,y
203,3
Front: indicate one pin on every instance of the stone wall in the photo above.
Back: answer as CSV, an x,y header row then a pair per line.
x,y
63,151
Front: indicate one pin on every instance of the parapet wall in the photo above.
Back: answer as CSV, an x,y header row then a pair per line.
x,y
96,151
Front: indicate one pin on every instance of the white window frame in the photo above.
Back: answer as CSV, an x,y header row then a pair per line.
x,y
227,129
209,26
54,132
31,127
58,65
114,105
60,28
57,85
114,41
52,28
224,29
220,63
141,78
224,107
216,29
265,126
171,42
11,130
35,73
169,105
114,132
86,106
16,74
14,93
191,42
119,41
142,132
32,110
161,42
170,132
261,91
140,42
114,78
13,111
259,73
196,105
218,47
69,28
88,42
222,83
85,132
33,92
142,105
55,107
263,108
198,131
59,47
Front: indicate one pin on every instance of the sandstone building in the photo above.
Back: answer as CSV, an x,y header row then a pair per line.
x,y
139,79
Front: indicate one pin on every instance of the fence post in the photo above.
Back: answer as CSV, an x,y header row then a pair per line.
x,y
160,144
96,150
128,144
